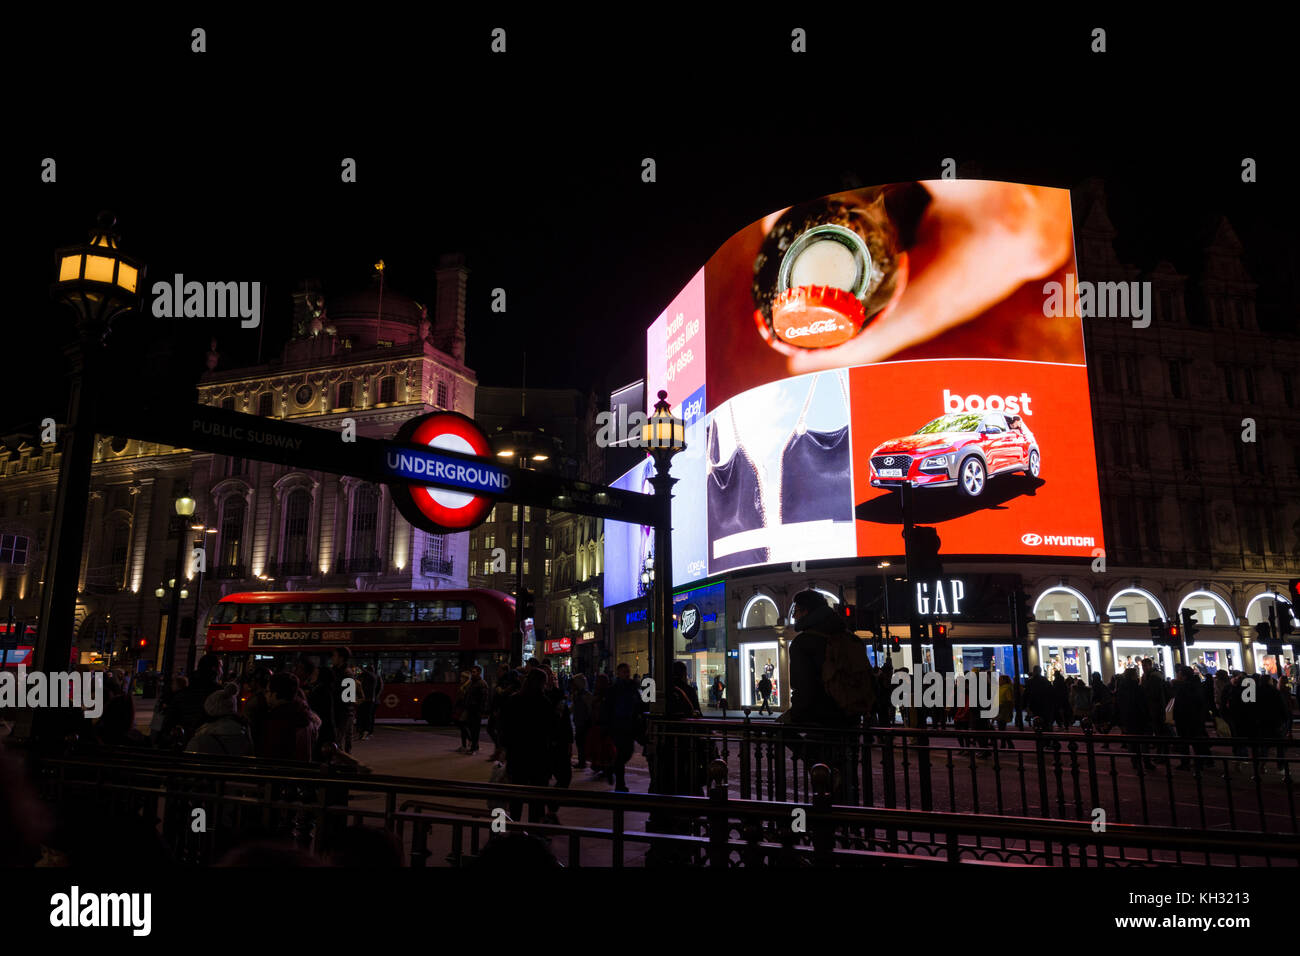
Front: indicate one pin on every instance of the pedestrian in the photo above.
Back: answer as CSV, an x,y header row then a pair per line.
x,y
560,747
507,683
321,698
601,749
476,697
1080,700
626,710
253,698
1006,708
458,712
1060,712
764,694
226,732
812,703
349,696
1131,712
1189,713
582,701
527,731
290,727
681,763
372,685
1156,696
1038,697
185,710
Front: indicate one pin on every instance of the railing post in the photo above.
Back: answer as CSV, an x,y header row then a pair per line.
x,y
923,781
1040,755
719,825
823,828
746,739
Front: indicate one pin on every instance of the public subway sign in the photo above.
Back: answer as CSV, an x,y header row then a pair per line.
x,y
443,509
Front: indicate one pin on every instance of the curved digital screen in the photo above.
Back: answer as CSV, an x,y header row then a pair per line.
x,y
922,333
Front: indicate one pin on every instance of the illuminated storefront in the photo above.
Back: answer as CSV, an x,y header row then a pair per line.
x,y
700,638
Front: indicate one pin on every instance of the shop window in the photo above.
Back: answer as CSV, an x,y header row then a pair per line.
x,y
1210,609
1134,606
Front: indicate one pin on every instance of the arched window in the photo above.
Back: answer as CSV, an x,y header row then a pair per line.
x,y
1210,609
1134,606
365,521
759,611
232,530
1257,610
297,511
1063,604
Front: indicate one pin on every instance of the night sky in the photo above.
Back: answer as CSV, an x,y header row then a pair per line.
x,y
225,165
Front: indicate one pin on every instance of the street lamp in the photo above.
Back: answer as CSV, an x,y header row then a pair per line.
x,y
665,436
184,511
99,282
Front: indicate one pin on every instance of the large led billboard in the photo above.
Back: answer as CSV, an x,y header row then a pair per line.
x,y
835,350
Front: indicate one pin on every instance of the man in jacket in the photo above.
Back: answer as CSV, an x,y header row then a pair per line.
x,y
476,697
811,704
1189,713
1155,695
581,717
626,708
186,709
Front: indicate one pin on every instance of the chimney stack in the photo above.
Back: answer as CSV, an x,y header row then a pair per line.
x,y
449,309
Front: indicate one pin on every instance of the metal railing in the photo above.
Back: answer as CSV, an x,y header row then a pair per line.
x,y
1229,783
451,821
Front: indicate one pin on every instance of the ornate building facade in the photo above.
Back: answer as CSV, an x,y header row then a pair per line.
x,y
370,361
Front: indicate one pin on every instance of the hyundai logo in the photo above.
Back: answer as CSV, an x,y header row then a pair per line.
x,y
1031,539
889,461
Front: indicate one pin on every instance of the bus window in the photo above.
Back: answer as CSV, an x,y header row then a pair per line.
x,y
332,613
403,611
454,610
471,612
395,667
225,614
288,613
429,610
363,613
256,614
436,670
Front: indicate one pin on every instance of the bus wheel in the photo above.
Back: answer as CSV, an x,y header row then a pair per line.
x,y
436,709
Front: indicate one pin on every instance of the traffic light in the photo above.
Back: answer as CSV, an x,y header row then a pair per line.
x,y
923,632
1173,634
526,607
895,644
923,561
1263,633
941,632
869,620
1189,626
1020,612
1158,633
1284,626
850,613
1293,591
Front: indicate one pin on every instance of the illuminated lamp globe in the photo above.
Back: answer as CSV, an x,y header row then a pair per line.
x,y
664,434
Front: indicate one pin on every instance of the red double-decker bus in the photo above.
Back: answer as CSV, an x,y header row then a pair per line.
x,y
417,641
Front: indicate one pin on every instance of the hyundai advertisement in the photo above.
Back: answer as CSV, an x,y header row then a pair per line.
x,y
870,339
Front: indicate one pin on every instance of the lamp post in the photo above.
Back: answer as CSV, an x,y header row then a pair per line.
x,y
184,511
529,447
648,590
191,653
665,436
99,282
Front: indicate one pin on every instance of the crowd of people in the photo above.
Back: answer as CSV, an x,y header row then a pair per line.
x,y
303,712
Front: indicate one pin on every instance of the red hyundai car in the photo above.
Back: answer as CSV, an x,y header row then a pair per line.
x,y
962,449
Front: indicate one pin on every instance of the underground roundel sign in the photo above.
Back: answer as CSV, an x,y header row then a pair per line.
x,y
441,510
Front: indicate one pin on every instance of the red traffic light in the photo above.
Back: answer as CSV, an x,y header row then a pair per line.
x,y
1173,631
144,642
941,630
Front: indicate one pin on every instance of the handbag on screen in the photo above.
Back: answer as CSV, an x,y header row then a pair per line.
x,y
816,475
734,499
